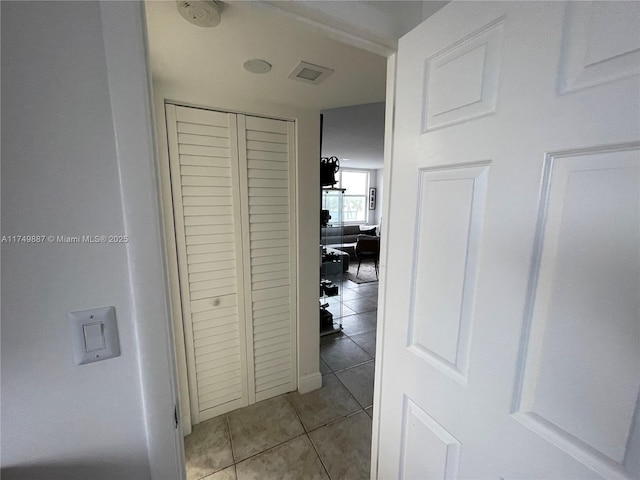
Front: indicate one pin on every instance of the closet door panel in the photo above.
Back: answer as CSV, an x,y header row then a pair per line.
x,y
266,152
204,176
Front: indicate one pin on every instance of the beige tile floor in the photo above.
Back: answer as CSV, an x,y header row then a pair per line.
x,y
324,434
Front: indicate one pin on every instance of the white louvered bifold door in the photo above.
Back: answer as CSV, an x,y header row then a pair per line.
x,y
233,191
203,153
266,149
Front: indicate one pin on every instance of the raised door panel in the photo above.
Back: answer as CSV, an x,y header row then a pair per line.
x,y
428,450
449,222
583,353
601,44
461,81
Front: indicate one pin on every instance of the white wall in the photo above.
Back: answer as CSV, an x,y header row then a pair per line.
x,y
60,176
376,177
356,133
308,194
373,181
379,195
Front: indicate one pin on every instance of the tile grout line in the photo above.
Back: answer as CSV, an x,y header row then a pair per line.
x,y
372,330
286,395
319,457
332,421
233,452
304,433
351,393
325,424
360,409
353,366
339,418
297,414
269,449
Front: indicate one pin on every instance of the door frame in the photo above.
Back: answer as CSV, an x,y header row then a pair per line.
x,y
130,91
140,136
389,121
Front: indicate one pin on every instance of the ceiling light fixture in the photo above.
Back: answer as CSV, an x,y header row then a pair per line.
x,y
257,65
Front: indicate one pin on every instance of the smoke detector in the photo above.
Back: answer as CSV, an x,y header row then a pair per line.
x,y
203,13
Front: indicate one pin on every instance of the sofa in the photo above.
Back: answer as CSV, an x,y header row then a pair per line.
x,y
345,237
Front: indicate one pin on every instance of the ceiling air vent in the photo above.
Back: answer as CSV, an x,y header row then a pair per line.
x,y
310,73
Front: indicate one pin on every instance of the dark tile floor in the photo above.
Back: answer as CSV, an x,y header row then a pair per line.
x,y
324,434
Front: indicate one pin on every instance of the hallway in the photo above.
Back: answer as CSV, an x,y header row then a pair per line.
x,y
324,434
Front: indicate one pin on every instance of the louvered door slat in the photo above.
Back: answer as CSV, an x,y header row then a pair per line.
x,y
206,201
267,137
224,355
201,161
208,220
212,318
210,257
198,129
215,213
214,379
268,183
210,239
208,229
213,274
204,140
281,360
271,347
193,180
265,277
212,266
271,302
266,174
210,284
274,315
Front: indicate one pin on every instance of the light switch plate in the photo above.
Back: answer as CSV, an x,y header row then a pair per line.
x,y
94,335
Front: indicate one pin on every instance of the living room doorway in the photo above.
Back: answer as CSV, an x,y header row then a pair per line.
x,y
351,218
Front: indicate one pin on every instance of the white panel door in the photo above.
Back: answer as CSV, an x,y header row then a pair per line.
x,y
203,153
511,342
268,185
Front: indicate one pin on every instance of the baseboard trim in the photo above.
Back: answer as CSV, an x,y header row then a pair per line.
x,y
310,382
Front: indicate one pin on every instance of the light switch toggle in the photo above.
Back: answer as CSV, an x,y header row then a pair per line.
x,y
94,335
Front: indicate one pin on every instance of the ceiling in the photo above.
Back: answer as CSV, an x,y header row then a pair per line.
x,y
184,56
374,25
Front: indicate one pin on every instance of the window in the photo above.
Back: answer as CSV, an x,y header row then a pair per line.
x,y
354,208
356,184
331,202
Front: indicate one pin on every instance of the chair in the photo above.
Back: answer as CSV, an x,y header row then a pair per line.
x,y
368,247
